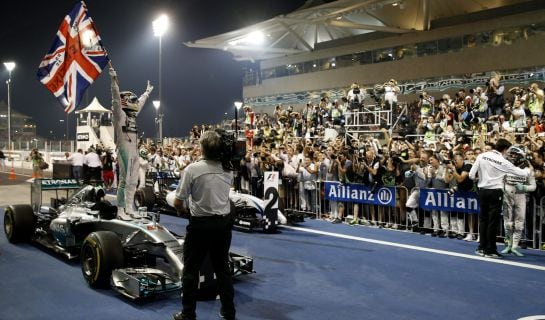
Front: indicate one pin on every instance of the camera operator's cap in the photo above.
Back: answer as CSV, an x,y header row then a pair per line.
x,y
354,85
393,81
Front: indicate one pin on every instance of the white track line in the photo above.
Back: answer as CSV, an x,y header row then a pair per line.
x,y
423,249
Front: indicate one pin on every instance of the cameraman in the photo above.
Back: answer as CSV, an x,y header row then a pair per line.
x,y
355,97
204,190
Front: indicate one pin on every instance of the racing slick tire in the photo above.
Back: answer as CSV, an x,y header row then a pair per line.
x,y
144,197
101,253
19,223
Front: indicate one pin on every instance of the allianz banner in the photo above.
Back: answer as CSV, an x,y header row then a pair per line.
x,y
435,199
382,196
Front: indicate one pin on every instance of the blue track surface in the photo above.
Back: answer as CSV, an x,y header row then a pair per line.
x,y
300,275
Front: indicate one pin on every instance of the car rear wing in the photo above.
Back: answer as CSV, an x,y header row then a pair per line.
x,y
40,185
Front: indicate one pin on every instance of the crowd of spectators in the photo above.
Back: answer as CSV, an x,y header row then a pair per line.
x,y
434,143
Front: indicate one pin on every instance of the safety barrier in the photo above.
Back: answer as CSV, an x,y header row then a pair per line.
x,y
539,217
448,214
301,196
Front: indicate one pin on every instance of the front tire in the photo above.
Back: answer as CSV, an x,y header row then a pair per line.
x,y
101,253
19,223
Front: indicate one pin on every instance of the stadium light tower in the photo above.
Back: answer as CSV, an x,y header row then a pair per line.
x,y
160,26
238,105
9,66
158,119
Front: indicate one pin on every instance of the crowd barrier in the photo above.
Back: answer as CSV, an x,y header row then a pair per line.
x,y
438,209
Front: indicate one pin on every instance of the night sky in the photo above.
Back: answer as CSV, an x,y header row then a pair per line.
x,y
199,85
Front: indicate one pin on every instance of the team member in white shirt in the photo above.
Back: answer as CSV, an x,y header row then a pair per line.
x,y
93,166
491,168
77,164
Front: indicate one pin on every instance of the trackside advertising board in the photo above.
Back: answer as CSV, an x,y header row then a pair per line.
x,y
434,199
382,196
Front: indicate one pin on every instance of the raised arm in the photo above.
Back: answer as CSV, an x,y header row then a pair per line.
x,y
144,97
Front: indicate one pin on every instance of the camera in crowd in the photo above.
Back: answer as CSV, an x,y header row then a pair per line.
x,y
517,91
232,150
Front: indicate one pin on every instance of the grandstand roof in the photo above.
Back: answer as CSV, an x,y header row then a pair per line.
x,y
318,22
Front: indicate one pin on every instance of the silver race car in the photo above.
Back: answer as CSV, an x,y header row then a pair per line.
x,y
137,256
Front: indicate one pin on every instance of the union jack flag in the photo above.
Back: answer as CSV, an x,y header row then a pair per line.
x,y
75,60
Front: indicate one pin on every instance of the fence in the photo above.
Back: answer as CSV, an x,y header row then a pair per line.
x,y
455,214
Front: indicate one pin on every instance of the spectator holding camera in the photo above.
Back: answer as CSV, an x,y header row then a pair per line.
x,y
440,178
355,97
518,117
494,91
333,173
308,176
534,99
420,178
425,104
461,182
480,102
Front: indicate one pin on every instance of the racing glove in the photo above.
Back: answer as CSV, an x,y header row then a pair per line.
x,y
521,188
149,88
112,72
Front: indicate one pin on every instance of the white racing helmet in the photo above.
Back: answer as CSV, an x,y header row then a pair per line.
x,y
143,152
516,155
129,101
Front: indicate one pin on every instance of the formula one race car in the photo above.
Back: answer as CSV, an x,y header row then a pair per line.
x,y
137,256
249,212
159,195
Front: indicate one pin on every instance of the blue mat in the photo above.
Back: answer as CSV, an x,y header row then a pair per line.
x,y
300,275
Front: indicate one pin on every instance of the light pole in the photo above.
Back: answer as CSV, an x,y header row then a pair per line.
x,y
9,66
160,26
61,121
158,119
238,105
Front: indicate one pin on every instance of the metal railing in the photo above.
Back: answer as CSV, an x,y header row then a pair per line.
x,y
448,223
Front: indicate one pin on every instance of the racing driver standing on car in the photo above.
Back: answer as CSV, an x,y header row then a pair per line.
x,y
204,190
126,107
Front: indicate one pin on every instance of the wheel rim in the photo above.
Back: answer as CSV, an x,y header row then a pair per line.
x,y
89,264
8,225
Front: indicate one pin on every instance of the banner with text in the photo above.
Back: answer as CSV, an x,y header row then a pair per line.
x,y
435,199
382,196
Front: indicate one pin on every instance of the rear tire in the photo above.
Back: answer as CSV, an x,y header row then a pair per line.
x,y
19,223
144,197
101,253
